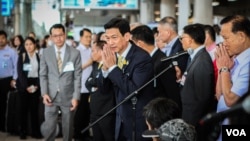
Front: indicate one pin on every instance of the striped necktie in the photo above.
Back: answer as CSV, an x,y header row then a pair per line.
x,y
59,61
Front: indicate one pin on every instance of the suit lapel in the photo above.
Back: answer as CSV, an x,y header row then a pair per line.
x,y
129,55
195,58
52,55
173,50
66,57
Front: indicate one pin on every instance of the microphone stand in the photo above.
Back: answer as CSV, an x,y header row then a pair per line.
x,y
134,100
174,56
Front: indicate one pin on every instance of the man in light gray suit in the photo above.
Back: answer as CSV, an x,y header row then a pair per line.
x,y
60,80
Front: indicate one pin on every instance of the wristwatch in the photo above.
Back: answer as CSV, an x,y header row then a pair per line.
x,y
224,69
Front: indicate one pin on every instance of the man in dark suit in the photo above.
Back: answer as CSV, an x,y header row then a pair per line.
x,y
143,37
168,33
197,93
126,68
101,100
60,79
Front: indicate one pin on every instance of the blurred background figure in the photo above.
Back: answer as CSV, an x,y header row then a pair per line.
x,y
210,46
158,43
210,43
100,36
18,44
71,41
219,38
82,116
46,42
8,75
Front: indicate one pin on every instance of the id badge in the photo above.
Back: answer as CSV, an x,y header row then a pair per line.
x,y
69,67
4,65
183,78
27,67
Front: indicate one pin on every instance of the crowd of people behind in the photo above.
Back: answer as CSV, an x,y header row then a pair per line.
x,y
84,80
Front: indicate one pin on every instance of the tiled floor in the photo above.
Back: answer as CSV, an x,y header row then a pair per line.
x,y
8,137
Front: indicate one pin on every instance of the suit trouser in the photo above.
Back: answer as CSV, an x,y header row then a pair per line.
x,y
104,130
29,104
5,87
51,120
82,117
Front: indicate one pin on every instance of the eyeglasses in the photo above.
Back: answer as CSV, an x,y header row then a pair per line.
x,y
181,37
58,36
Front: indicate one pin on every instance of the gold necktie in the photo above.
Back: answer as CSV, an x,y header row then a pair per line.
x,y
59,61
99,66
119,62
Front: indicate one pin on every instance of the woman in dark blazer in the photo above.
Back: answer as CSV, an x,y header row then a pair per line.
x,y
29,89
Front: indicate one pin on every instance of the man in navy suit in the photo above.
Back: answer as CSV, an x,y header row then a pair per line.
x,y
126,76
143,37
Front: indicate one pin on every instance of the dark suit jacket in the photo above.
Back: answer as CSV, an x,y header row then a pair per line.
x,y
171,87
20,50
198,91
125,82
22,80
159,84
100,101
182,60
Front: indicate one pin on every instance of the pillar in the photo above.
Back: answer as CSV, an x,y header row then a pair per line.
x,y
203,12
167,8
183,13
26,24
146,11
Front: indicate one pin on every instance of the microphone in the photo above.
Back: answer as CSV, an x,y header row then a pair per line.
x,y
244,105
189,51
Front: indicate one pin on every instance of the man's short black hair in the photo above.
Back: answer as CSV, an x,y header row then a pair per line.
x,y
160,110
2,32
143,33
196,32
85,29
56,26
120,23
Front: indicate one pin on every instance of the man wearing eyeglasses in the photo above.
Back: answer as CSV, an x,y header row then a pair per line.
x,y
197,93
60,79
